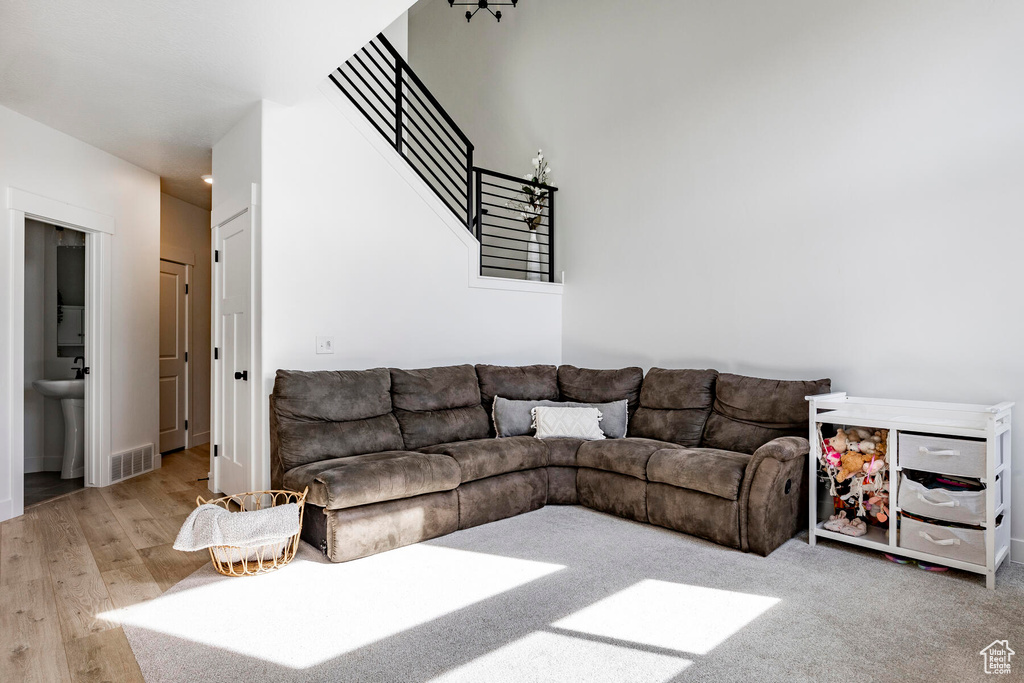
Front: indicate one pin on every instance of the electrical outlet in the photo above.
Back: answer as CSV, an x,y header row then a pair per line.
x,y
325,344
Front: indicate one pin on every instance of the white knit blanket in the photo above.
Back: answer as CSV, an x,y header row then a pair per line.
x,y
210,525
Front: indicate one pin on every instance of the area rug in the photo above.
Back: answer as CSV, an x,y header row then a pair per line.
x,y
569,594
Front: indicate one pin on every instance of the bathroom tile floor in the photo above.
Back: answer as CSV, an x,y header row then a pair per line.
x,y
40,486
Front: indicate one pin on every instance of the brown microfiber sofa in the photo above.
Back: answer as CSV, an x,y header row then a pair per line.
x,y
393,457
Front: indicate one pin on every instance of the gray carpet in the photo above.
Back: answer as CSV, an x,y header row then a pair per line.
x,y
569,594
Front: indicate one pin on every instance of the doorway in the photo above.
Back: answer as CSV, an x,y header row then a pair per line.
x,y
175,387
98,230
55,361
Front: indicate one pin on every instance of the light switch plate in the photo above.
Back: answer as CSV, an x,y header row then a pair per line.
x,y
325,345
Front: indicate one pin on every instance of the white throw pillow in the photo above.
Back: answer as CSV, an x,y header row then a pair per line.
x,y
575,423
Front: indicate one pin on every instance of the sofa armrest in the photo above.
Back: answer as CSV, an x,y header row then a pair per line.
x,y
784,449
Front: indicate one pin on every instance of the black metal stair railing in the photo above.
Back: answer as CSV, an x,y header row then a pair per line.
x,y
515,226
516,237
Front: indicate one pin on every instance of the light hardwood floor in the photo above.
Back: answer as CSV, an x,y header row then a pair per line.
x,y
67,560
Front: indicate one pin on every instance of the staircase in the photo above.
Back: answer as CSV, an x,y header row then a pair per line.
x,y
516,236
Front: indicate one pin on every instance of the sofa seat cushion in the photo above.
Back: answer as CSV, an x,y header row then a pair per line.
x,y
483,458
623,456
373,478
708,470
562,451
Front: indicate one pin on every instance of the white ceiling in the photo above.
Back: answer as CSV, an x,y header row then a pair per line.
x,y
157,83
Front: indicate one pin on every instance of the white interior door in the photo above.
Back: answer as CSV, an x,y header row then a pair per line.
x,y
173,356
233,464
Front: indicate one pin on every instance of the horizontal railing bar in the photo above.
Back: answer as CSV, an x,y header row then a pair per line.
x,y
516,249
432,116
510,209
376,46
412,74
444,200
538,260
388,69
455,154
458,155
491,235
386,89
372,90
362,111
388,117
505,227
436,179
516,195
513,179
458,180
515,219
515,270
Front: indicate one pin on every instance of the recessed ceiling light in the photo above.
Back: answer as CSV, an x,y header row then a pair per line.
x,y
207,178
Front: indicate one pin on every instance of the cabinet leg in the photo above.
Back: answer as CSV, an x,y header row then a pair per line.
x,y
990,581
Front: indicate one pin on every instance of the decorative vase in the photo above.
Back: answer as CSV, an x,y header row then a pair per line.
x,y
533,265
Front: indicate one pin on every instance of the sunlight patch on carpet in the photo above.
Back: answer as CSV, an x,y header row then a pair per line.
x,y
309,612
555,658
675,616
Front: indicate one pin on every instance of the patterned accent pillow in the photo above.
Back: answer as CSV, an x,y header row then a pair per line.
x,y
573,423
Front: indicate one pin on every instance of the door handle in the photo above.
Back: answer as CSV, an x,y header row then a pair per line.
x,y
243,375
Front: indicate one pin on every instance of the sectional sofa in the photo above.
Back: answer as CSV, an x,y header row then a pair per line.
x,y
393,457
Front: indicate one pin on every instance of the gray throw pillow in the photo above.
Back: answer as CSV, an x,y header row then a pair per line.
x,y
512,418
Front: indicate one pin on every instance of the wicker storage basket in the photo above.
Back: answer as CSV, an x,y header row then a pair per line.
x,y
235,561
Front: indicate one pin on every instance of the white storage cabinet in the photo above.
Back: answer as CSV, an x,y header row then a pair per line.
x,y
963,440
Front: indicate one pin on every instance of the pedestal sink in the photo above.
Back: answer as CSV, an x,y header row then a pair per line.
x,y
71,393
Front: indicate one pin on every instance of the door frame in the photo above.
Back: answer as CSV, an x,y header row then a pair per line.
x,y
187,259
99,232
221,215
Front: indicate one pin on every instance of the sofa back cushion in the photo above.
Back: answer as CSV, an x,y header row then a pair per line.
x,y
584,385
517,383
674,405
749,412
332,414
438,405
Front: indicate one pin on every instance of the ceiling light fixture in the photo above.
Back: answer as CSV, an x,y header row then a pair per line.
x,y
482,4
207,178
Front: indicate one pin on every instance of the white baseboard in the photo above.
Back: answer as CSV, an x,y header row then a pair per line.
x,y
1017,550
198,439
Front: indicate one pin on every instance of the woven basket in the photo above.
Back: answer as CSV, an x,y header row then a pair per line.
x,y
234,561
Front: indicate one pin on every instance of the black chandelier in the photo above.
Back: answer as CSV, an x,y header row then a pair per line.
x,y
482,4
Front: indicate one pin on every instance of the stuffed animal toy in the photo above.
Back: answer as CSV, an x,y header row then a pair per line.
x,y
851,462
831,455
839,442
872,466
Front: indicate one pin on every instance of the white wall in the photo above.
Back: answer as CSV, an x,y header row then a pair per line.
x,y
184,230
351,250
42,161
786,189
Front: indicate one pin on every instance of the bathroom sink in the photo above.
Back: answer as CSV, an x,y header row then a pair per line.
x,y
60,388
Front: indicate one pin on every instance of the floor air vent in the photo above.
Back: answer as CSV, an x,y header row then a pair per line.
x,y
130,463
